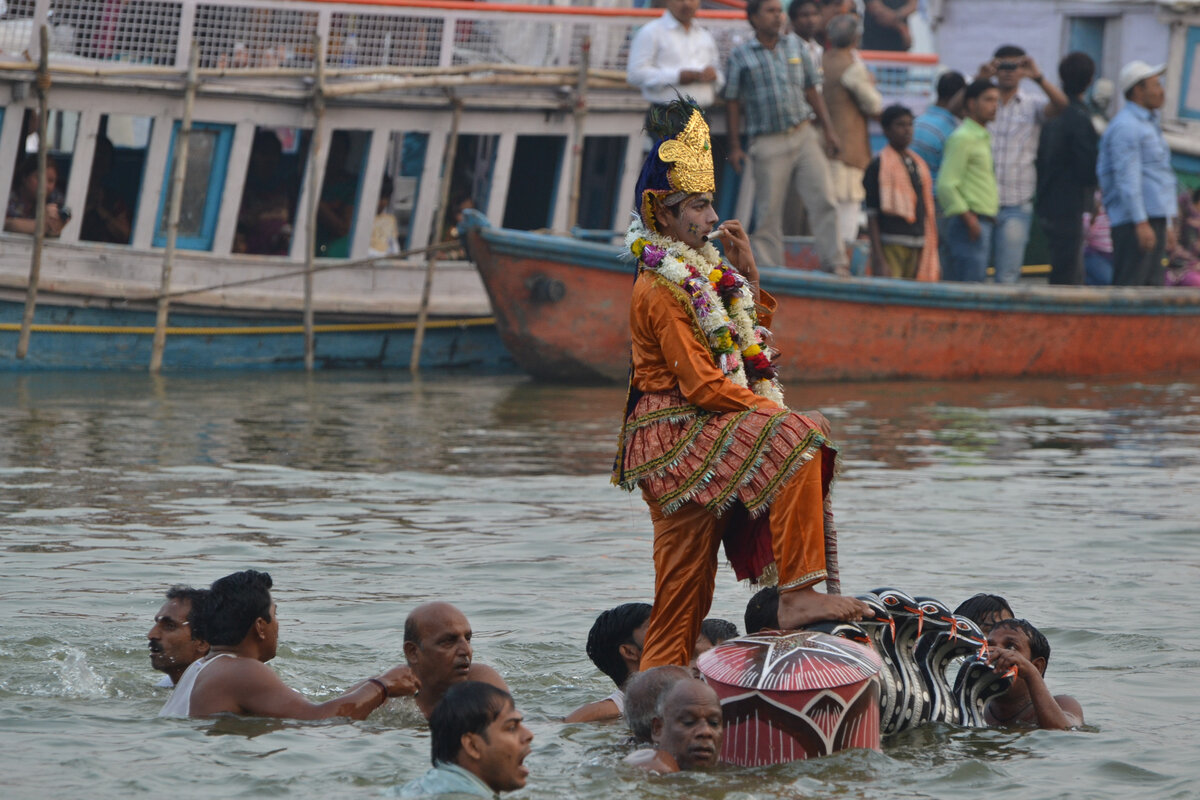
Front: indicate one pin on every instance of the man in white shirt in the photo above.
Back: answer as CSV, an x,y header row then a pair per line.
x,y
673,53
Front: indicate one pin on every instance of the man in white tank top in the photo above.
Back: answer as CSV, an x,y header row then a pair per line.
x,y
238,618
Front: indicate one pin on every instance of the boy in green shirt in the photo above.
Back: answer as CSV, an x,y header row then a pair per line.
x,y
966,187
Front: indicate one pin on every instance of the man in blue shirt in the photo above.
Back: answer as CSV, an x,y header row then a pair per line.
x,y
937,122
478,744
930,131
1136,179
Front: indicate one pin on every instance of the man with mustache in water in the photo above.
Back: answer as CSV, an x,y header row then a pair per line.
x,y
437,647
687,730
172,641
239,620
706,434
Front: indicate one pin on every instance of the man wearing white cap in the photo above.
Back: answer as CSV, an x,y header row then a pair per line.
x,y
1136,179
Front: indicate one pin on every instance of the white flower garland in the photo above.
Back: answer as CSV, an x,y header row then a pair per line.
x,y
719,317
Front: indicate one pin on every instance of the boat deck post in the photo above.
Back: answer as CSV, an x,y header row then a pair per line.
x,y
317,176
42,85
436,232
178,173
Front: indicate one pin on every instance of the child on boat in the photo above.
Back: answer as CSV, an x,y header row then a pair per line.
x,y
1016,643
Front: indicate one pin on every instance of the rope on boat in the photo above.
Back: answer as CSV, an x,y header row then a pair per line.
x,y
244,330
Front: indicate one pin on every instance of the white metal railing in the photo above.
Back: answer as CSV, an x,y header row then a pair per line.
x,y
248,34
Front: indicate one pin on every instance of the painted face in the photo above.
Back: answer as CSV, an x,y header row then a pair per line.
x,y
505,745
683,10
443,654
769,18
805,20
900,132
172,647
691,728
690,221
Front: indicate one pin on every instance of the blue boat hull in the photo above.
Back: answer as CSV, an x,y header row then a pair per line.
x,y
103,338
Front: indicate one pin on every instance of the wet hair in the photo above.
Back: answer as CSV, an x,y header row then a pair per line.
x,y
796,5
660,708
762,612
467,707
195,598
718,630
1008,51
612,629
950,84
982,606
893,113
842,30
231,607
1039,645
1076,71
976,88
642,693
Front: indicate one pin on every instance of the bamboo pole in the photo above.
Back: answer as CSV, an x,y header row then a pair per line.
x,y
316,177
437,231
178,173
580,115
42,85
207,73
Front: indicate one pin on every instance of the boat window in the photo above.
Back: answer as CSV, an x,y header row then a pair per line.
x,y
384,39
532,189
1189,89
341,192
600,180
392,231
267,215
471,177
115,184
61,129
204,177
236,38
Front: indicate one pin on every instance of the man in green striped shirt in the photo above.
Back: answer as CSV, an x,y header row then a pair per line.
x,y
966,187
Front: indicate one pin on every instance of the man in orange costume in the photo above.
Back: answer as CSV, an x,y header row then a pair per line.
x,y
707,437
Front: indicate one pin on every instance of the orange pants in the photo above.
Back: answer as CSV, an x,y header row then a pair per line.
x,y
685,561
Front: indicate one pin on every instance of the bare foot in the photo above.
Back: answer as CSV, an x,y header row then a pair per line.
x,y
805,606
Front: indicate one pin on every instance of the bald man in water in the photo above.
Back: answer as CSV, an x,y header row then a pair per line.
x,y
687,730
437,647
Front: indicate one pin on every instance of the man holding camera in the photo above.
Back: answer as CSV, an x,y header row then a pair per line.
x,y
1015,133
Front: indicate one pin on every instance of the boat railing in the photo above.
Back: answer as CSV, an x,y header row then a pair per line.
x,y
279,35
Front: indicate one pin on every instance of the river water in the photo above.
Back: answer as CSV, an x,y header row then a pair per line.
x,y
364,494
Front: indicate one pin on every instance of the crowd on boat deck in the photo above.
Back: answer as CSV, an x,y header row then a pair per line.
x,y
955,191
213,646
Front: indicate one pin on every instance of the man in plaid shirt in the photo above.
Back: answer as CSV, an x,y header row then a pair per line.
x,y
1015,133
773,84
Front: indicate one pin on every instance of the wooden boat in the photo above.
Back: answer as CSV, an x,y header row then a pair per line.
x,y
562,309
494,105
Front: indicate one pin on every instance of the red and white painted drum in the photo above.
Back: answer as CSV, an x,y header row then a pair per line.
x,y
792,696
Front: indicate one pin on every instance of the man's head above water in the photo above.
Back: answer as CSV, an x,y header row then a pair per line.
x,y
173,641
437,647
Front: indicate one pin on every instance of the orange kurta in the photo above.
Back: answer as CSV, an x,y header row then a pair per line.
x,y
699,446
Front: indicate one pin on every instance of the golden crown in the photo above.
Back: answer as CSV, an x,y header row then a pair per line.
x,y
690,156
